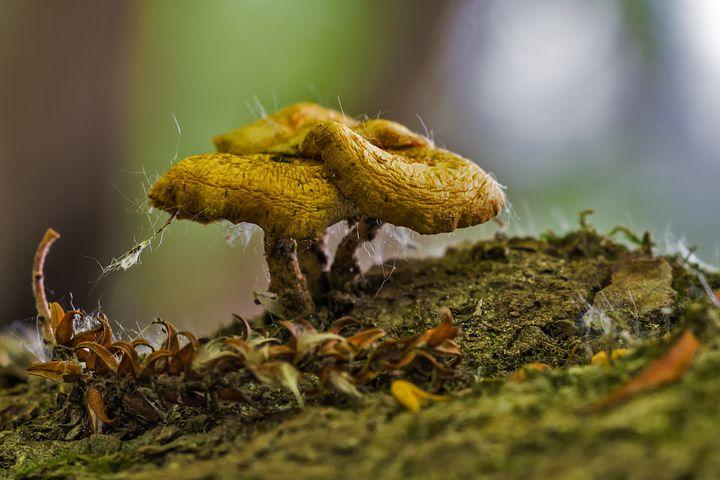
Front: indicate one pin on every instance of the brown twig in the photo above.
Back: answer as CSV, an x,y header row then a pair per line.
x,y
41,303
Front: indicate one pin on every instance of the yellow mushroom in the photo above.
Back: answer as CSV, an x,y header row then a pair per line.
x,y
387,134
290,198
306,167
411,184
283,133
277,128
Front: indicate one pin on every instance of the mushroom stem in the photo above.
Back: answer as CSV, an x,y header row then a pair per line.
x,y
345,270
286,279
314,263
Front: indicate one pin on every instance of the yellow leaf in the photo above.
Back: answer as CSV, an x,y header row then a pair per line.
x,y
411,396
601,358
521,375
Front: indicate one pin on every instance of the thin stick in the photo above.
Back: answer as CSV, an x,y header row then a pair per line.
x,y
41,303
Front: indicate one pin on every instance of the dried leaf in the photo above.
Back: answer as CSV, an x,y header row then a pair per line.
x,y
149,365
246,325
666,369
192,339
101,335
282,374
58,370
411,396
184,359
366,338
306,338
238,344
96,405
65,330
449,347
402,363
228,360
106,358
444,331
124,347
94,335
127,366
56,314
343,383
106,331
341,323
434,361
288,376
141,342
274,351
171,340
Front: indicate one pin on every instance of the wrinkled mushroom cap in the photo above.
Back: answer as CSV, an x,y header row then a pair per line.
x,y
387,134
285,196
412,184
277,128
384,134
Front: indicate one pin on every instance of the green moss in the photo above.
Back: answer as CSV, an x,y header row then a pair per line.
x,y
518,300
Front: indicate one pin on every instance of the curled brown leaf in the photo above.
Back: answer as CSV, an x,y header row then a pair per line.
x,y
666,369
100,353
57,370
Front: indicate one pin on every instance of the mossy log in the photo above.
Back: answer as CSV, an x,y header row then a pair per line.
x,y
556,300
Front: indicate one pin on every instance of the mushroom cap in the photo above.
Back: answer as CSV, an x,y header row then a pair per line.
x,y
277,128
387,134
418,186
382,133
285,196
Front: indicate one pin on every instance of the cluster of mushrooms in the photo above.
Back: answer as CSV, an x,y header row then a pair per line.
x,y
305,168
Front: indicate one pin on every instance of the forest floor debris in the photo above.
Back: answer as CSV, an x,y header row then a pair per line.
x,y
557,301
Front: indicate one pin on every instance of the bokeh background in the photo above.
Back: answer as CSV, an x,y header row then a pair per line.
x,y
609,105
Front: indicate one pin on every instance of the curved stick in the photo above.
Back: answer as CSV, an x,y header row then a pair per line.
x,y
41,303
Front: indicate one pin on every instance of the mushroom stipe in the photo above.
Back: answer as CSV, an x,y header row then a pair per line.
x,y
305,168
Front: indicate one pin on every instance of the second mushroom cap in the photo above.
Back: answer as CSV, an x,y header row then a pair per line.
x,y
411,184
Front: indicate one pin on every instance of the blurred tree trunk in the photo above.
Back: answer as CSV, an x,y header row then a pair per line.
x,y
61,112
411,53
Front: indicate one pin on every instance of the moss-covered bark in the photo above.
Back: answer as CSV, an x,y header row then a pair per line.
x,y
518,300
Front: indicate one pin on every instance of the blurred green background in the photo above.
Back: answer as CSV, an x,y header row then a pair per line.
x,y
610,105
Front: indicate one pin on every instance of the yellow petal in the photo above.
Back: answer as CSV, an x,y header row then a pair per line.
x,y
411,396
